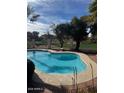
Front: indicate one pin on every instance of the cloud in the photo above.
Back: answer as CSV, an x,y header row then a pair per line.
x,y
36,26
56,11
51,19
61,8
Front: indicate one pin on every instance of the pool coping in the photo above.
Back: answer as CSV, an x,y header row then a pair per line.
x,y
66,79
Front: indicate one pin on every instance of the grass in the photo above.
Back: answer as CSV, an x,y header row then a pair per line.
x,y
85,45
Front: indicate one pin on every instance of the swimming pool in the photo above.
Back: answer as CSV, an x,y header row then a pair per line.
x,y
56,63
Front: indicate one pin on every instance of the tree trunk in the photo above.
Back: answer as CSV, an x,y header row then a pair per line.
x,y
61,44
77,45
49,43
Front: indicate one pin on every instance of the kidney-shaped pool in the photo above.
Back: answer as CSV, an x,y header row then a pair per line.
x,y
59,63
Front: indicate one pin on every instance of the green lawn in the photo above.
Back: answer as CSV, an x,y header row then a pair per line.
x,y
85,45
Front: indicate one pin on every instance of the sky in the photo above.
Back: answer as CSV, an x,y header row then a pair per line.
x,y
55,12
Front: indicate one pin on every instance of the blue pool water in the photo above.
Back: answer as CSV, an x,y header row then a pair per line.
x,y
60,63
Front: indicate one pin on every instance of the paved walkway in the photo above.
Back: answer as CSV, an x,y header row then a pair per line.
x,y
93,57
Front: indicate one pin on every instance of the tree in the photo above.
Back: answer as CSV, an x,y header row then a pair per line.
x,y
78,31
31,15
93,26
29,36
49,38
29,10
93,10
93,31
61,31
34,17
35,35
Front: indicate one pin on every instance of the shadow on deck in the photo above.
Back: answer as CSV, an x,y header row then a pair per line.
x,y
38,86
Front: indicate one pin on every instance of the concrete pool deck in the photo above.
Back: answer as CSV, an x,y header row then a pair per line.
x,y
66,79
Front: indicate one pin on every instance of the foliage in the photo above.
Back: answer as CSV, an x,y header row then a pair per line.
x,y
34,17
91,20
35,35
29,10
34,39
32,35
93,29
78,31
31,15
61,31
93,10
88,19
93,6
29,36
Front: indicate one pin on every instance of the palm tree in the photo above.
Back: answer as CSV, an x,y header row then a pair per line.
x,y
93,26
92,18
93,10
29,10
30,14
